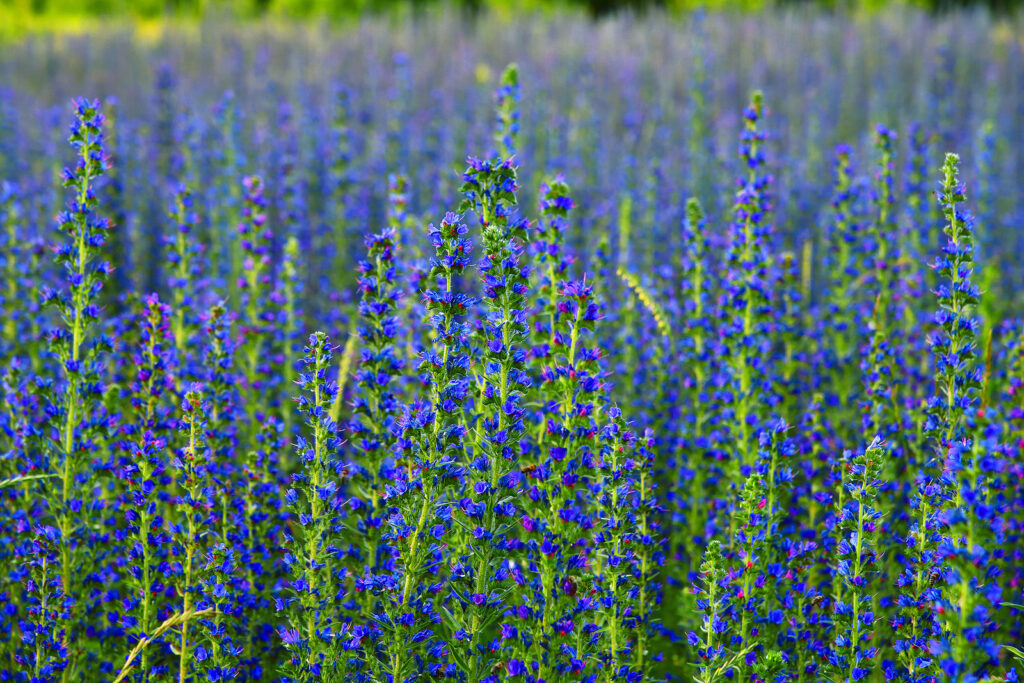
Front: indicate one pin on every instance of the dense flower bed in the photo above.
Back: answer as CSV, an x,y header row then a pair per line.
x,y
614,400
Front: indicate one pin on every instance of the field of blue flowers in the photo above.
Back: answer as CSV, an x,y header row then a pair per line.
x,y
679,349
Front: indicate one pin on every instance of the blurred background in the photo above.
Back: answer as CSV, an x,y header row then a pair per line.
x,y
17,15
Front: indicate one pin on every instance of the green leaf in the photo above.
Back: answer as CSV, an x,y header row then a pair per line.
x,y
14,481
1014,651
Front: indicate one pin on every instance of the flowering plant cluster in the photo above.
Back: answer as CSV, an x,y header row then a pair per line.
x,y
737,447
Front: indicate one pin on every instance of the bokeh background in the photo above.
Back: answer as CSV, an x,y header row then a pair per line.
x,y
19,14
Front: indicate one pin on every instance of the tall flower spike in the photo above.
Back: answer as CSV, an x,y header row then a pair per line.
x,y
432,436
915,623
255,238
843,234
557,525
490,189
144,464
550,249
85,231
856,556
692,467
412,273
218,591
448,362
917,210
312,626
617,555
966,466
883,263
375,407
507,133
750,526
715,649
338,184
956,376
183,256
192,464
646,538
217,659
948,482
746,287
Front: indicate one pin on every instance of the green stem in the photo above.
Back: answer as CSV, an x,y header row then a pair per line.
x,y
856,594
189,552
68,473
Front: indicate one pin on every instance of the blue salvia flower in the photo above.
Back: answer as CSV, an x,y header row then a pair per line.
x,y
74,409
991,308
692,466
216,657
507,130
165,140
375,407
957,378
257,529
183,256
559,521
767,562
551,256
432,434
313,630
191,464
917,214
144,442
963,457
219,382
118,203
291,180
46,606
339,177
917,585
414,276
490,189
399,95
260,303
987,152
19,466
858,522
715,647
616,554
255,239
791,276
878,419
939,498
747,282
883,262
751,527
398,203
843,236
646,537
774,455
337,185
32,595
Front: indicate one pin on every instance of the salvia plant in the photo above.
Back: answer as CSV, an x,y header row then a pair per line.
x,y
636,408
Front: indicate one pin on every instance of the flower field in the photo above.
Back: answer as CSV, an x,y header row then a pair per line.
x,y
678,349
